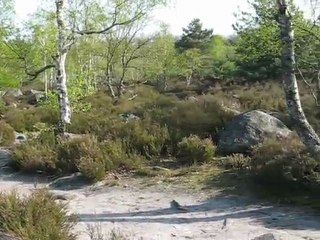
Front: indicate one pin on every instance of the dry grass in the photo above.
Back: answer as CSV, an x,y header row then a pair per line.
x,y
95,232
37,216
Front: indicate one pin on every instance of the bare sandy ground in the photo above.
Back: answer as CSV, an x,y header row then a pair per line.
x,y
143,212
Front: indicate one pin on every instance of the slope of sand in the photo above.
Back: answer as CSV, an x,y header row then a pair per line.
x,y
143,212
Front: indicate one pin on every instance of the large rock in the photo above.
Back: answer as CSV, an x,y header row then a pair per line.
x,y
128,117
267,236
13,93
34,96
248,129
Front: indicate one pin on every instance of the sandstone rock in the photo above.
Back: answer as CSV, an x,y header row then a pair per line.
x,y
249,129
267,236
13,93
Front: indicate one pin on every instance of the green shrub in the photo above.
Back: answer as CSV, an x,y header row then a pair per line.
x,y
192,150
273,148
145,137
37,216
237,161
96,159
7,134
25,119
82,153
285,162
32,157
3,107
142,137
204,117
92,168
115,154
72,152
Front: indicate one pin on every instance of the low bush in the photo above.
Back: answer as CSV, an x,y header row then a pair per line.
x,y
82,153
72,151
25,119
273,148
31,157
144,137
285,162
3,107
7,134
193,150
237,161
37,216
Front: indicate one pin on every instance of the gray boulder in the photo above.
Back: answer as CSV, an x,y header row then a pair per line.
x,y
128,117
34,96
20,137
267,236
13,93
249,129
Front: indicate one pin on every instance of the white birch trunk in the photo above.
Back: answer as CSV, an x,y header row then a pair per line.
x,y
301,124
45,78
60,61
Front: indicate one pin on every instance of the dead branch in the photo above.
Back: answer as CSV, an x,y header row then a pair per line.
x,y
133,97
309,87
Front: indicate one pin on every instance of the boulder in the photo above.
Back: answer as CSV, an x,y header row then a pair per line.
x,y
127,117
34,96
267,236
249,129
192,99
20,137
13,93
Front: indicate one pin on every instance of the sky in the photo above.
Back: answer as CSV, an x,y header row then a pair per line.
x,y
214,14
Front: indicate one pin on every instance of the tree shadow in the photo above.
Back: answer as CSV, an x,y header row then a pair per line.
x,y
215,209
67,182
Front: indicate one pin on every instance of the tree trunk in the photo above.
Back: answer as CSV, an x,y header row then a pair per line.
x,y
61,76
188,79
45,78
61,85
109,75
299,120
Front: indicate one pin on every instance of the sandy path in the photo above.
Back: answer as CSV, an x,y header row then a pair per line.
x,y
144,212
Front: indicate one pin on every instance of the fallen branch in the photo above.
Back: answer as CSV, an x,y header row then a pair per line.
x,y
133,97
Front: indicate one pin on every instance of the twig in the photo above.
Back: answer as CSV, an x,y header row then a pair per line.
x,y
133,97
309,86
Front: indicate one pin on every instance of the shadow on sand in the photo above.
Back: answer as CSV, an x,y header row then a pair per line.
x,y
214,209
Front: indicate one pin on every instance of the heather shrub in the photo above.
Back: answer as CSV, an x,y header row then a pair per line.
x,y
7,134
237,161
193,150
36,216
31,157
285,162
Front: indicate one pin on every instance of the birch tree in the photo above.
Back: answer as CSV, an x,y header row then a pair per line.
x,y
296,113
76,18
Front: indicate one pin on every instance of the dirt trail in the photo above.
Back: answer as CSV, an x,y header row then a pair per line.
x,y
144,212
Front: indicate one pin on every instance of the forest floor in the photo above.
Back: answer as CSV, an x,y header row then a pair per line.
x,y
141,210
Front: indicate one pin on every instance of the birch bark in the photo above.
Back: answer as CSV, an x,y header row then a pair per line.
x,y
60,62
296,113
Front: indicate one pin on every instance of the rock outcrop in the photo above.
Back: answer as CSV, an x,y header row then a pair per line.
x,y
249,129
